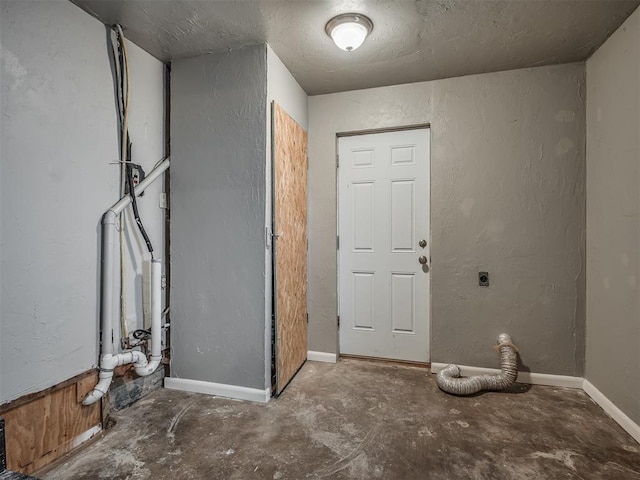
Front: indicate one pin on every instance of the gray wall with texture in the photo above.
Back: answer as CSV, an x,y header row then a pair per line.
x,y
613,218
508,196
218,149
59,149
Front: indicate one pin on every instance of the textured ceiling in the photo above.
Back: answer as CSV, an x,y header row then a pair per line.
x,y
411,40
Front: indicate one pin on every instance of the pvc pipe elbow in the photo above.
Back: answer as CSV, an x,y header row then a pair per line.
x,y
149,367
137,357
100,389
109,217
92,397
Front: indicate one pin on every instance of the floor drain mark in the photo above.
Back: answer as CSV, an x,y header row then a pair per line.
x,y
344,462
174,422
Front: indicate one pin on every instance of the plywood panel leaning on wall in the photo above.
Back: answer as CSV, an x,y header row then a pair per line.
x,y
290,227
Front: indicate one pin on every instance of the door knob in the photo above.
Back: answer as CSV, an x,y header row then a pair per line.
x,y
422,243
423,260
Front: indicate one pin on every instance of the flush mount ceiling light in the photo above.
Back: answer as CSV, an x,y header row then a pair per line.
x,y
349,30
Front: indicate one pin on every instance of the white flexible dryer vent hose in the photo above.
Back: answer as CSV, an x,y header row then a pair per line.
x,y
449,377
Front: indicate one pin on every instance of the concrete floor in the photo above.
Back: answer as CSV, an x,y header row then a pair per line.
x,y
361,420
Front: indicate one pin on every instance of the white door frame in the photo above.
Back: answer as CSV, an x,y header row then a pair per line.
x,y
352,133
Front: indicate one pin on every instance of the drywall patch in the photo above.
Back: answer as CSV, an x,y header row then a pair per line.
x,y
565,116
12,67
624,258
564,146
547,294
467,206
494,231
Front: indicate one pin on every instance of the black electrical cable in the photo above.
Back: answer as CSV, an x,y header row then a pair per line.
x,y
123,82
134,204
126,156
141,334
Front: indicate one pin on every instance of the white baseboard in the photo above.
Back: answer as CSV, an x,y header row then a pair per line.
x,y
523,377
218,389
614,412
321,357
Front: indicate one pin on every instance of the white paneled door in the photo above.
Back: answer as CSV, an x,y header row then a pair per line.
x,y
384,244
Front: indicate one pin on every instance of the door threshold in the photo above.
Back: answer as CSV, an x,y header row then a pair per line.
x,y
406,363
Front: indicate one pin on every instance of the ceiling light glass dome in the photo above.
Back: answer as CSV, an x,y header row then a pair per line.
x,y
349,30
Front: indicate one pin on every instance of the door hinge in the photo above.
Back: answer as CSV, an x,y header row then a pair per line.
x,y
338,242
338,321
337,161
307,318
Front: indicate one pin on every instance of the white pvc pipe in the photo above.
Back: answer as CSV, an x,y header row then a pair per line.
x,y
156,317
106,264
109,361
141,187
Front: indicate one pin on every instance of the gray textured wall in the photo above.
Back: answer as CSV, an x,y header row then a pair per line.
x,y
58,140
218,149
508,173
613,218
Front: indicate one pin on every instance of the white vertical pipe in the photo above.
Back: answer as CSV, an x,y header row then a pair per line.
x,y
109,361
106,310
142,367
156,307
